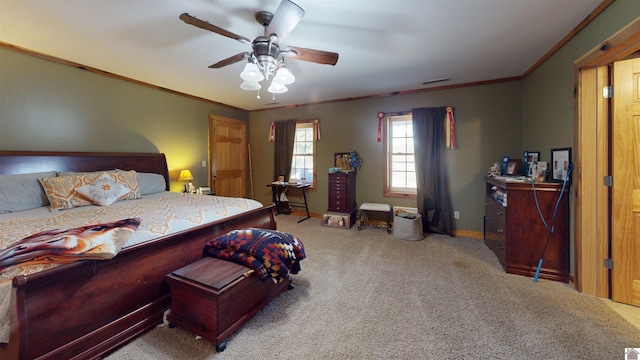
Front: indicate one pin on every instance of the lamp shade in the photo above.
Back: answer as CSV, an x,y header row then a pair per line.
x,y
284,76
250,85
277,88
185,175
251,72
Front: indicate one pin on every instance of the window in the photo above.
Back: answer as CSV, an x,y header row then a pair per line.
x,y
399,160
304,153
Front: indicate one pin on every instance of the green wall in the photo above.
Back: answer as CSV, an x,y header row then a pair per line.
x,y
488,126
548,93
48,106
534,114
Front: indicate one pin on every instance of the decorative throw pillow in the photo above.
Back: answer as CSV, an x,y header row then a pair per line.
x,y
126,178
130,180
100,242
61,192
104,190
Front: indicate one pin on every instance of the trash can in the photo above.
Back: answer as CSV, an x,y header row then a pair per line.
x,y
407,225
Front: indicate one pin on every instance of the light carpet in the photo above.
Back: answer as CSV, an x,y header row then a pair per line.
x,y
367,295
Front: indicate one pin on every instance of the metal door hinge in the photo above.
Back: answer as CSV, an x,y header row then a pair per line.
x,y
608,181
608,263
607,92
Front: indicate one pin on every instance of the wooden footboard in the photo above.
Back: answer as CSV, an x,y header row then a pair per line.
x,y
85,309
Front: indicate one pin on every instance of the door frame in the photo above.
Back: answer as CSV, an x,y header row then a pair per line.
x,y
591,127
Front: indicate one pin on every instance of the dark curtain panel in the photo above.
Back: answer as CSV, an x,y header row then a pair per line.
x,y
434,198
285,134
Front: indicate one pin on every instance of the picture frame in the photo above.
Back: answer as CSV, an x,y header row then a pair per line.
x,y
560,161
541,170
513,166
531,159
342,161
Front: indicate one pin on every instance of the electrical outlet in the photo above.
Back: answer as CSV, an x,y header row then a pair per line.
x,y
456,214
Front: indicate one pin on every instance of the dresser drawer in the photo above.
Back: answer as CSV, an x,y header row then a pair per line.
x,y
495,229
342,193
494,211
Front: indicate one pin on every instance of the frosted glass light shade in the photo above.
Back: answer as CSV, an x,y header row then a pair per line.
x,y
250,85
277,88
251,72
284,76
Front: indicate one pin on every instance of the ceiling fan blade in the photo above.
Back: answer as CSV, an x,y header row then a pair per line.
x,y
316,56
207,26
231,60
286,17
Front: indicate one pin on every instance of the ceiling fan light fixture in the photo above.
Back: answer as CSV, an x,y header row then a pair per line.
x,y
250,85
266,60
251,73
284,76
277,88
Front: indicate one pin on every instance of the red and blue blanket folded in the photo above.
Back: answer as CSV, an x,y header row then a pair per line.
x,y
272,254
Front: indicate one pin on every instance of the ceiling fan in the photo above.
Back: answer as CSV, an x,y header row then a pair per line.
x,y
267,58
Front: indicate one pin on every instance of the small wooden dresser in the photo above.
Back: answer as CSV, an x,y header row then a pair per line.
x,y
515,232
342,192
212,298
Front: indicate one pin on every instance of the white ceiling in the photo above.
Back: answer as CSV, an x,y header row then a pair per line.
x,y
384,46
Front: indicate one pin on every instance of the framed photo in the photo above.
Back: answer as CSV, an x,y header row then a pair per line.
x,y
541,169
513,166
531,159
560,160
343,161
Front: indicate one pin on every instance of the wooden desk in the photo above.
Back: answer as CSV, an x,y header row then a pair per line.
x,y
276,190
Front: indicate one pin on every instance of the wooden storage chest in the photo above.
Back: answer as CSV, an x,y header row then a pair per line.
x,y
212,298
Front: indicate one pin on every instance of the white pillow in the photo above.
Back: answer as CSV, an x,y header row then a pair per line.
x,y
103,190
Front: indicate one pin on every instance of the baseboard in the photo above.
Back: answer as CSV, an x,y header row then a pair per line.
x,y
469,234
462,233
302,213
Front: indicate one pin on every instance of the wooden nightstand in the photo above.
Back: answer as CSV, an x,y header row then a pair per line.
x,y
212,298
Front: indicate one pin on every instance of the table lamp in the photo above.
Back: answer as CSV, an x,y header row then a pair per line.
x,y
185,175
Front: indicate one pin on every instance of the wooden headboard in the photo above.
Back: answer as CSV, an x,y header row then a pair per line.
x,y
23,162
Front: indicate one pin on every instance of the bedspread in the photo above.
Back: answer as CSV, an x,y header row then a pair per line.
x,y
162,214
272,254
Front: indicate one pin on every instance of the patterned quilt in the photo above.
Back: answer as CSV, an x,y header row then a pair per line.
x,y
272,254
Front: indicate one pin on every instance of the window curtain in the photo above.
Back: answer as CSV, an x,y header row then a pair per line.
x,y
285,133
433,194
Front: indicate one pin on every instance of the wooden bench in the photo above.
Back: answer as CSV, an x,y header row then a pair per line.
x,y
212,298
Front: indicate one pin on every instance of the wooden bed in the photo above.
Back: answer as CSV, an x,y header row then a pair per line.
x,y
85,309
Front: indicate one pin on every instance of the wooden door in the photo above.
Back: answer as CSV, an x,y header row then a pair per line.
x,y
625,231
228,156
